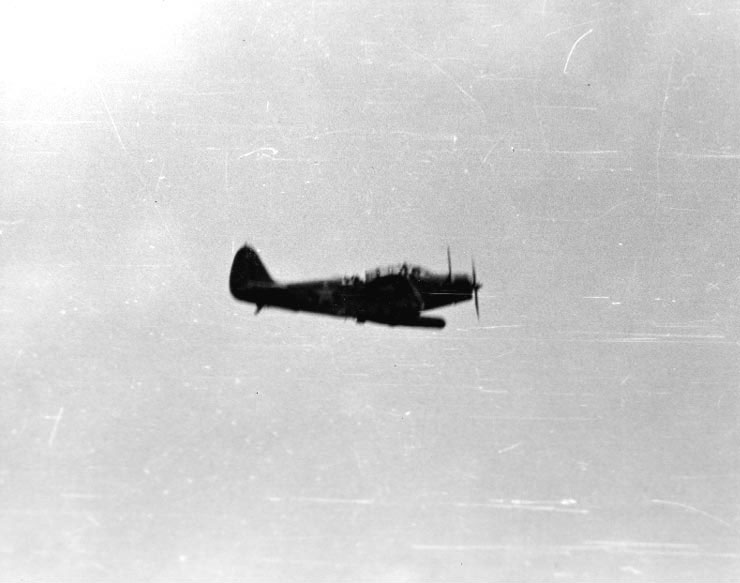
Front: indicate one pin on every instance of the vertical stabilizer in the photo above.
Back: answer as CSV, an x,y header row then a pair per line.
x,y
247,268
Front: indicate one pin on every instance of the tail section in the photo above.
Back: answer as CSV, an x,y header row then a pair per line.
x,y
247,268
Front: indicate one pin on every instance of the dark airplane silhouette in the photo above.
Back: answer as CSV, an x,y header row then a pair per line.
x,y
395,296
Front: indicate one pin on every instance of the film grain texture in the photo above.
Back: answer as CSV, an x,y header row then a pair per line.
x,y
586,154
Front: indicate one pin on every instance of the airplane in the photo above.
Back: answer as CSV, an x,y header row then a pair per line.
x,y
394,296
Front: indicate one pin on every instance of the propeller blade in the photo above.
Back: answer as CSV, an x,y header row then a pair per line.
x,y
449,265
475,291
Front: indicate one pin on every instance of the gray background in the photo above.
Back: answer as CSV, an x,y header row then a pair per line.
x,y
587,155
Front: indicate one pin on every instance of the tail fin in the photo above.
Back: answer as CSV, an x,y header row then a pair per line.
x,y
246,268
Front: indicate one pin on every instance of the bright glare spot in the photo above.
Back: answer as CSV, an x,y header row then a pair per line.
x,y
50,43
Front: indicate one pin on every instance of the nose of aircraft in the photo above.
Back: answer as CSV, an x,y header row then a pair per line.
x,y
476,286
462,283
465,281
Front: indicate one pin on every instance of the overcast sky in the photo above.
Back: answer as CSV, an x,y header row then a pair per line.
x,y
586,154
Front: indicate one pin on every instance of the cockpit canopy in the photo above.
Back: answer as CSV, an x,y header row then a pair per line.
x,y
420,272
403,269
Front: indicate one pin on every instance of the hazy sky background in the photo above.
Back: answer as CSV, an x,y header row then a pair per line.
x,y
587,154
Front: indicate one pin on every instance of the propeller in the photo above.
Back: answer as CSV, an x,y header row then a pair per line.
x,y
449,265
476,286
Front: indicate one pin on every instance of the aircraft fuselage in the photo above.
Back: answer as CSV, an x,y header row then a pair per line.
x,y
395,297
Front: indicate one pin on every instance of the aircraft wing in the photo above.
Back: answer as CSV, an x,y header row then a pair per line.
x,y
394,291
